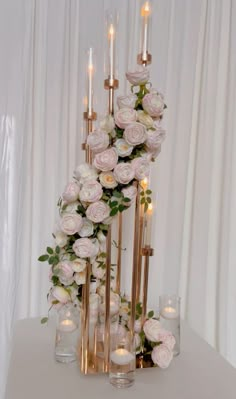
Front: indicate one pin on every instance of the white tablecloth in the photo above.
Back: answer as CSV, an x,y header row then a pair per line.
x,y
198,372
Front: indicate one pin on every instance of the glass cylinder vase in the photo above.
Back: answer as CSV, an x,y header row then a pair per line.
x,y
170,317
67,333
122,361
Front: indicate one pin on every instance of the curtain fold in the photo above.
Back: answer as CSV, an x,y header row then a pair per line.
x,y
42,80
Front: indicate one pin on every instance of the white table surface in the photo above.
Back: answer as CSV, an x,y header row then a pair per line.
x,y
198,372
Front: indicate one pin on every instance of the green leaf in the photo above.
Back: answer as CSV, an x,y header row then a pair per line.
x,y
142,201
43,258
121,208
114,211
55,280
126,199
55,302
49,250
148,192
150,314
139,308
113,203
117,194
57,249
149,200
142,193
44,320
102,255
51,260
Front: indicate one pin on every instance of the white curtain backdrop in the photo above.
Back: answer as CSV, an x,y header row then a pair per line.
x,y
42,81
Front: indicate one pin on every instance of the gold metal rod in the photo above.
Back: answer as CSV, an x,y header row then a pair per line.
x,y
111,100
135,262
85,323
119,243
139,264
145,287
107,303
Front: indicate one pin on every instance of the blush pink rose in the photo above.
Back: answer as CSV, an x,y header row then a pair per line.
x,y
98,140
141,167
130,192
91,191
167,338
124,117
162,356
124,173
71,192
155,138
139,77
106,160
85,248
107,180
135,134
65,272
151,329
153,104
98,211
127,101
71,223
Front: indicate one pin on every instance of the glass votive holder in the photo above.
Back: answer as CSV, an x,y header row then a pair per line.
x,y
169,307
67,333
122,361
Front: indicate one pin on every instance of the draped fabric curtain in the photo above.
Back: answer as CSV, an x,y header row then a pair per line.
x,y
42,80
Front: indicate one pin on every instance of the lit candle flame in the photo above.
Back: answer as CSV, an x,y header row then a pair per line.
x,y
111,31
150,209
144,183
145,10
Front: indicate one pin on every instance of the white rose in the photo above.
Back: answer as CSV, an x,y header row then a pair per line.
x,y
98,211
80,278
107,180
124,117
85,248
71,223
61,239
91,191
106,160
151,329
130,192
141,167
98,272
135,134
60,294
162,356
124,173
145,119
101,237
87,228
127,101
155,138
107,124
78,265
64,272
85,172
71,208
98,141
123,148
153,104
71,192
137,326
139,77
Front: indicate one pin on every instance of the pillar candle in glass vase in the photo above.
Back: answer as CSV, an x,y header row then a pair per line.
x,y
170,317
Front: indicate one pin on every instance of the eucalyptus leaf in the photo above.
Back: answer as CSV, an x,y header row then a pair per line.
x,y
43,258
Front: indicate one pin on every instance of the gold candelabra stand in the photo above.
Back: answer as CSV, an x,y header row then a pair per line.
x,y
89,362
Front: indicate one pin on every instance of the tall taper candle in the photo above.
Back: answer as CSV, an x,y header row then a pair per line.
x,y
90,82
111,39
145,13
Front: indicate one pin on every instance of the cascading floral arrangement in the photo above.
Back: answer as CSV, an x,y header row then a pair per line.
x,y
123,147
